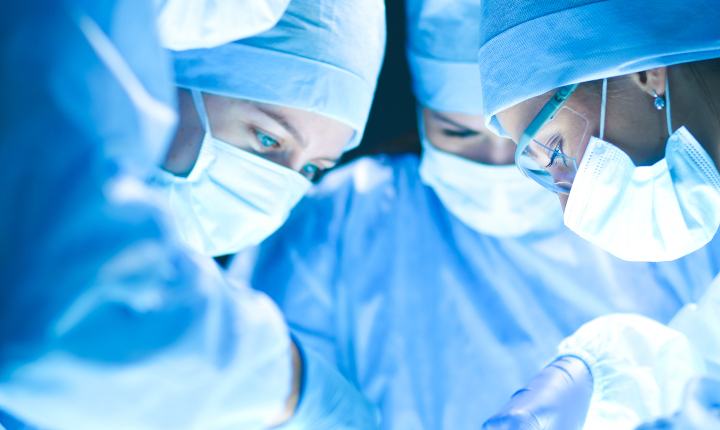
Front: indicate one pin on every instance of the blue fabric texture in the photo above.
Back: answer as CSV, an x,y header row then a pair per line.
x,y
106,322
528,48
324,56
435,323
327,400
7,422
442,45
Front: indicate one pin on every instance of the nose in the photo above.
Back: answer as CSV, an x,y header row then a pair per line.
x,y
563,176
293,159
563,200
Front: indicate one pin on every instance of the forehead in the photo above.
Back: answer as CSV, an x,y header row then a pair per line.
x,y
473,122
325,137
515,120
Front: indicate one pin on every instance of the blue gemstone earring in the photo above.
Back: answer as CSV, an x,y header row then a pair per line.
x,y
659,101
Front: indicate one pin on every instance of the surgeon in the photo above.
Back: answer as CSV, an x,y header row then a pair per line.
x,y
619,117
440,285
621,120
106,320
261,117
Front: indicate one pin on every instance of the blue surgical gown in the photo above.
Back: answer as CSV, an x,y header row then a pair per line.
x,y
434,322
106,322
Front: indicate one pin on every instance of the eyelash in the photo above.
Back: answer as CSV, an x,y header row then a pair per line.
x,y
460,134
262,138
558,140
312,175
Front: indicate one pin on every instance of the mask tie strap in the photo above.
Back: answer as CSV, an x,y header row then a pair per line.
x,y
602,109
667,108
201,110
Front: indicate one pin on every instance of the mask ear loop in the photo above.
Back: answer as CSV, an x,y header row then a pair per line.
x,y
201,110
602,109
667,107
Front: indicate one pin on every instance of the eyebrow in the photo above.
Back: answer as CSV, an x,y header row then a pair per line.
x,y
285,124
447,120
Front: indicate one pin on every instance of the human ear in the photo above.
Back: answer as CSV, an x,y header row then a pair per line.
x,y
651,80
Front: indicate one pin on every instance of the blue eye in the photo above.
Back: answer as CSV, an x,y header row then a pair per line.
x,y
265,140
310,170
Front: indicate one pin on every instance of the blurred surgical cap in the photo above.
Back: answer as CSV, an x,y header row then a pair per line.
x,y
442,43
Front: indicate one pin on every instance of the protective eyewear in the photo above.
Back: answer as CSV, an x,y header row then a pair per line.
x,y
547,151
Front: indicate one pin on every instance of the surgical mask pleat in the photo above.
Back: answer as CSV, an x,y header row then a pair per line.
x,y
231,199
646,213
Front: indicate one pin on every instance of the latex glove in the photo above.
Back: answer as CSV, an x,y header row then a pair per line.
x,y
640,369
557,398
700,410
328,401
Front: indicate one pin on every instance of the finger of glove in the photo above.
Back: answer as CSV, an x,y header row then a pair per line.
x,y
514,419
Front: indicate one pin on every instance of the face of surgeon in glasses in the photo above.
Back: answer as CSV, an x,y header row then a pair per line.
x,y
303,141
632,122
467,137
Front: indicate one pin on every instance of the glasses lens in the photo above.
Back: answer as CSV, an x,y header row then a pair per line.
x,y
550,158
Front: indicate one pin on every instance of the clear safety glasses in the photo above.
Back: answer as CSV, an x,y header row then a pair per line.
x,y
547,151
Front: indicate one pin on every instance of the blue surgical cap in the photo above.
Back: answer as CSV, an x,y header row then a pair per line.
x,y
324,56
443,40
528,48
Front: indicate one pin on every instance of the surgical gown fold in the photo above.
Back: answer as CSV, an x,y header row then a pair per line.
x,y
433,321
105,320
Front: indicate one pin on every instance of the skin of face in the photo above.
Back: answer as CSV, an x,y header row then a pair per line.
x,y
299,140
466,136
632,122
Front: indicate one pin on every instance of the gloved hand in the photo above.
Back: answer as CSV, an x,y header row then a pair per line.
x,y
328,400
700,410
557,398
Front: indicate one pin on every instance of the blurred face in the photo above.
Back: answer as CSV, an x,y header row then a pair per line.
x,y
303,141
467,137
632,122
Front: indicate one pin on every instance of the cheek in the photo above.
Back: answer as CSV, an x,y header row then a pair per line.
x,y
592,130
439,140
640,132
236,134
581,152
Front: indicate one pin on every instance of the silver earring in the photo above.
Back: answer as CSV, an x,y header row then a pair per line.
x,y
659,101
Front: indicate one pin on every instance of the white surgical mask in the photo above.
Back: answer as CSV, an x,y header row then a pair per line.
x,y
494,200
231,199
647,213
